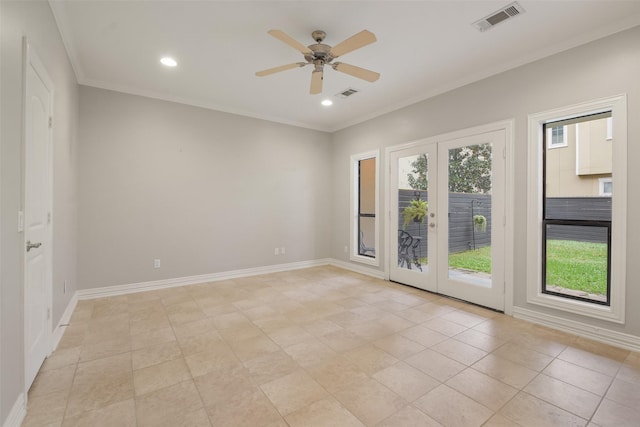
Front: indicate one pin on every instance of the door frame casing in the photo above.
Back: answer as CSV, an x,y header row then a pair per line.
x,y
32,59
509,244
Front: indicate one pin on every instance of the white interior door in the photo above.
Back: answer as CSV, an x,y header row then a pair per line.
x,y
37,218
458,250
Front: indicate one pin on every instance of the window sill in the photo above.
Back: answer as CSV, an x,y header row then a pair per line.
x,y
551,147
583,308
365,260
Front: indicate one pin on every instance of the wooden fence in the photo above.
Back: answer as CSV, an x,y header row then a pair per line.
x,y
463,207
583,208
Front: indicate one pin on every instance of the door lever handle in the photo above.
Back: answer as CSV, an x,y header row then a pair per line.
x,y
32,245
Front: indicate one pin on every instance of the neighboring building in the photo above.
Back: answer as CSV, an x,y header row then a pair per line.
x,y
579,159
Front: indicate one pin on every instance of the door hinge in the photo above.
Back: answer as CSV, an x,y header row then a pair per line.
x,y
504,220
48,314
50,122
504,153
48,217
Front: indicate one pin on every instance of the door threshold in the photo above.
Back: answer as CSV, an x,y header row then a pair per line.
x,y
450,297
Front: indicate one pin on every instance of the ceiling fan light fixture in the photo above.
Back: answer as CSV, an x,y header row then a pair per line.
x,y
168,61
327,102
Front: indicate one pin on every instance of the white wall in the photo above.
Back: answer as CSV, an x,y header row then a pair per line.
x,y
203,191
35,21
599,69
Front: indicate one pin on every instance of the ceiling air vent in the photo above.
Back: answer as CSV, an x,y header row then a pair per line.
x,y
509,11
347,93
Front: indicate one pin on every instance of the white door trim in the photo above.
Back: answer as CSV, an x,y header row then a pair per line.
x,y
509,242
31,59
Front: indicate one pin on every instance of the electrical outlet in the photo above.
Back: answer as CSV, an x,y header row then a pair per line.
x,y
282,251
276,251
156,263
64,289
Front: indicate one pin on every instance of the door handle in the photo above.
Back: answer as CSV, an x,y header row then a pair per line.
x,y
32,245
432,225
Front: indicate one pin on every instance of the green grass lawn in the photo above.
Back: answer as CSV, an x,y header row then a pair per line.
x,y
577,265
476,260
572,265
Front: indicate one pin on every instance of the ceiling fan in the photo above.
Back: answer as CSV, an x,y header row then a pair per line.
x,y
321,54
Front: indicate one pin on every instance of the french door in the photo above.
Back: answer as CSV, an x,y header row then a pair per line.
x,y
447,217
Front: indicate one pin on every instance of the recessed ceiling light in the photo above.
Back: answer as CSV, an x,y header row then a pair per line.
x,y
169,62
327,102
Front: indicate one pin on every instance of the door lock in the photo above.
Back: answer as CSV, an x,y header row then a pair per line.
x,y
32,245
432,224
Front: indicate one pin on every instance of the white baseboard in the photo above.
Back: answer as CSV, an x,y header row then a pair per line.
x,y
64,321
17,414
367,271
607,336
110,291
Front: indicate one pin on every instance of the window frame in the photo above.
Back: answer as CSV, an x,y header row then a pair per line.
x,y
615,312
565,141
354,196
601,183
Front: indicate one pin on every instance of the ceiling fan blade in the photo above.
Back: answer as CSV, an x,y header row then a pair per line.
x,y
283,37
357,41
316,83
352,70
280,68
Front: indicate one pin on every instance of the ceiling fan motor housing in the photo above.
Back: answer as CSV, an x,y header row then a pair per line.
x,y
320,52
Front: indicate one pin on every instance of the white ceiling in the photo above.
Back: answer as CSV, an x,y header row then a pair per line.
x,y
423,48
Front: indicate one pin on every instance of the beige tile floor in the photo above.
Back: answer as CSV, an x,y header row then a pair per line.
x,y
323,347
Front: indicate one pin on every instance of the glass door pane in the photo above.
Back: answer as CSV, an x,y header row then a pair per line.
x,y
469,214
413,203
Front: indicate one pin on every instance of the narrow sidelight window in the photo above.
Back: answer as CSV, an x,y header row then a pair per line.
x,y
364,208
367,207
